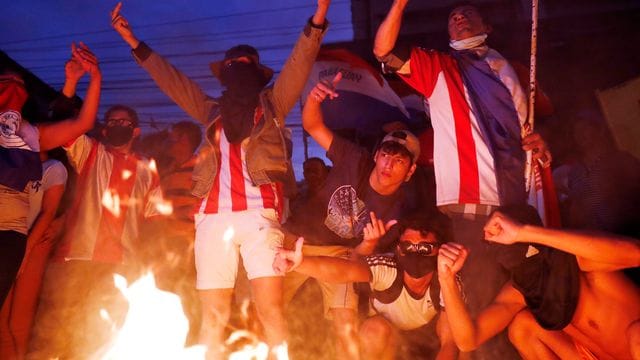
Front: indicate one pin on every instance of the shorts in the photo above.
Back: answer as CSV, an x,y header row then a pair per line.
x,y
222,238
334,296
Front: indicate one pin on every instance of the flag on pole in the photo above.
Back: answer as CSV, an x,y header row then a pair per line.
x,y
538,179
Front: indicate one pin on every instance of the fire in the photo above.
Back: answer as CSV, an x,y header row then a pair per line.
x,y
111,201
126,174
164,207
152,166
155,326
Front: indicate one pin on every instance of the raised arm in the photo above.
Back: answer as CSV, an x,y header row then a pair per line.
x,y
121,25
468,333
59,133
312,118
186,93
295,72
595,251
387,35
325,268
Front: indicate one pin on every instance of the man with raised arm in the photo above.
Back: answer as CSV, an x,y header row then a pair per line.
x,y
477,107
115,191
361,195
404,287
242,173
566,299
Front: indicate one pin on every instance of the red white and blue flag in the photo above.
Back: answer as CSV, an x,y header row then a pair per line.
x,y
366,100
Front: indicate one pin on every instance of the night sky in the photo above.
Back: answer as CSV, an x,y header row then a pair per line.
x,y
190,33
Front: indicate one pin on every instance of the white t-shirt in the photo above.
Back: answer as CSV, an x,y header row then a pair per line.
x,y
405,312
53,173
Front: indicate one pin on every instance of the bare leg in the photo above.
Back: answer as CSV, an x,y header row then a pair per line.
x,y
267,295
633,334
216,307
378,339
345,325
534,342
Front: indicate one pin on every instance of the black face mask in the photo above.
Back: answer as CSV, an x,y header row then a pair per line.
x,y
417,265
118,135
242,78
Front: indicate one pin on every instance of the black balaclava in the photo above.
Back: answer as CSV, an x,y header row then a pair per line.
x,y
243,81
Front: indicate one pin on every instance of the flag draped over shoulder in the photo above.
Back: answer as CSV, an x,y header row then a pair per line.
x,y
366,100
19,143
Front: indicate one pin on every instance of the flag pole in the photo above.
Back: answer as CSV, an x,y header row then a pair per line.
x,y
528,126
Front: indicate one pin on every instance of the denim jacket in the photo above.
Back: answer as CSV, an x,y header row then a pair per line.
x,y
268,148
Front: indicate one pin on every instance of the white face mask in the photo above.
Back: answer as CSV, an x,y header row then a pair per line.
x,y
468,43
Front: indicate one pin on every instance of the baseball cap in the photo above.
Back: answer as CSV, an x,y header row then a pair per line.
x,y
407,140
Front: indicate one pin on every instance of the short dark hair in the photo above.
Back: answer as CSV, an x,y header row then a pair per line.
x,y
119,107
191,130
436,223
394,148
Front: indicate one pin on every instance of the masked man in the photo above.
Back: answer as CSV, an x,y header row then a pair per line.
x,y
404,288
241,172
115,191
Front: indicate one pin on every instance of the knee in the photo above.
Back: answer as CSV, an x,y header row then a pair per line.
x,y
522,328
344,321
216,308
633,336
375,330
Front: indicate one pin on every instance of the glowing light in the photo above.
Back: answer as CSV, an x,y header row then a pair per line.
x,y
255,350
152,166
155,326
258,352
164,207
111,201
126,174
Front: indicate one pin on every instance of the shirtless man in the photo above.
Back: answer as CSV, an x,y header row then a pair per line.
x,y
599,318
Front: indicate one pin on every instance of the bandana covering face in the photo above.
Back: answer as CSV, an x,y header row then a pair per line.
x,y
238,103
468,43
19,146
416,265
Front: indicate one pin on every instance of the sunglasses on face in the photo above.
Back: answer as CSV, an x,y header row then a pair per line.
x,y
122,122
423,248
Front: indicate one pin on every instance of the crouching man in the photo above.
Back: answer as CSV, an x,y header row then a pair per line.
x,y
566,299
404,287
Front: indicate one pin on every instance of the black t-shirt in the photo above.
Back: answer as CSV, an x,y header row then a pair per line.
x,y
339,211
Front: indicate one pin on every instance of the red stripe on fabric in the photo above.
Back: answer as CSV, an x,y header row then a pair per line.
x,y
214,194
467,157
238,194
64,247
429,64
551,204
272,196
108,246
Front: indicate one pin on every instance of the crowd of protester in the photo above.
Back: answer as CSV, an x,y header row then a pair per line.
x,y
443,259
